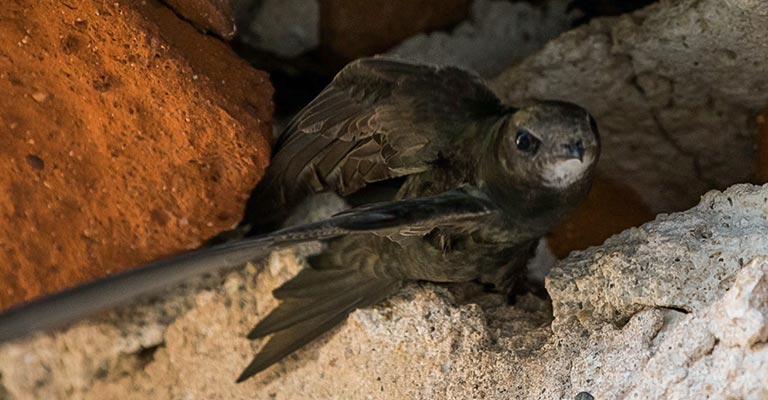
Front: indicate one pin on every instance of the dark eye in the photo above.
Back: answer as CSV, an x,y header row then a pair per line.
x,y
526,142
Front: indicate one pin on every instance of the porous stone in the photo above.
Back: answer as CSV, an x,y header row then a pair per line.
x,y
497,34
126,135
680,261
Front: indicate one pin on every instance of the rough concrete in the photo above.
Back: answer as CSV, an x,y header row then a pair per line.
x,y
711,243
675,88
497,34
677,308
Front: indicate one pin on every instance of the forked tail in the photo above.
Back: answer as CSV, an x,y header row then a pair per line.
x,y
313,302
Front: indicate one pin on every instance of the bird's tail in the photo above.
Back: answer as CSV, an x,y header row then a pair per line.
x,y
313,302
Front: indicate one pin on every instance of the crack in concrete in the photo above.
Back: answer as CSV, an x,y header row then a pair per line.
x,y
664,132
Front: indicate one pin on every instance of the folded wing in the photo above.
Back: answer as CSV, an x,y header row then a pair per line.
x,y
379,119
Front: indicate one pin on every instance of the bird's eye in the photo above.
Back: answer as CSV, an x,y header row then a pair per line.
x,y
526,142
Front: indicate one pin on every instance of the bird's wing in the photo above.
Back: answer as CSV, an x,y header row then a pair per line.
x,y
378,119
321,297
450,208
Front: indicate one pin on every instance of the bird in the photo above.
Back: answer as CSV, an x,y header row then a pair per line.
x,y
464,187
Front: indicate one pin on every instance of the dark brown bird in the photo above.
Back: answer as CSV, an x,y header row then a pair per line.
x,y
477,184
483,183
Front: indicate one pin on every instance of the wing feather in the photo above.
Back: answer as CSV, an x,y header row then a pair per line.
x,y
457,208
379,119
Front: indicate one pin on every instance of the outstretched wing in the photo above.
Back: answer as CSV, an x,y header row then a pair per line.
x,y
378,119
455,207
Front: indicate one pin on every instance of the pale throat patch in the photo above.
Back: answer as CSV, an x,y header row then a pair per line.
x,y
563,173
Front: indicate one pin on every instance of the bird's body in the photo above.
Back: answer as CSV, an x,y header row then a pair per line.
x,y
478,183
445,133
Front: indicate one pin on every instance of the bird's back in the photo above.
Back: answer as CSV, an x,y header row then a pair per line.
x,y
378,120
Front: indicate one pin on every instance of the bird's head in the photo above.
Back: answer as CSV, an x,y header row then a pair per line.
x,y
552,145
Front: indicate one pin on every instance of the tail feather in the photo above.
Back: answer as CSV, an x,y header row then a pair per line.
x,y
294,312
59,309
312,283
291,339
299,320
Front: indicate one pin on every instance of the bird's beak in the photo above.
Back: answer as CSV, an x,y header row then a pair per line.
x,y
574,150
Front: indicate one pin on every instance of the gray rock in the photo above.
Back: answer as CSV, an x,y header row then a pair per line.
x,y
287,28
497,34
680,261
675,88
213,16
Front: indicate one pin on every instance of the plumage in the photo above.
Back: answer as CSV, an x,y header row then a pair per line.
x,y
374,110
296,335
476,184
381,119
